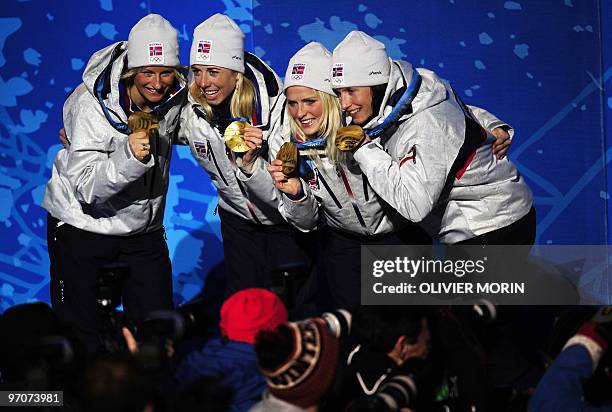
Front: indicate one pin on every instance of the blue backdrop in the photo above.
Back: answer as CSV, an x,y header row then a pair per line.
x,y
542,66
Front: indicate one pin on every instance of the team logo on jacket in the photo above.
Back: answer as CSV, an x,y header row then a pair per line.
x,y
313,180
204,49
156,53
200,148
314,184
338,74
297,72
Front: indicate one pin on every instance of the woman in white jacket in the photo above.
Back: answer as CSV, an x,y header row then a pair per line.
x,y
425,153
232,85
107,192
331,193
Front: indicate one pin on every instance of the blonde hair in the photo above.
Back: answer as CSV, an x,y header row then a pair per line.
x,y
332,121
243,98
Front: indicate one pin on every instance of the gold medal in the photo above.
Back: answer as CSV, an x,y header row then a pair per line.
x,y
349,137
234,137
288,153
143,121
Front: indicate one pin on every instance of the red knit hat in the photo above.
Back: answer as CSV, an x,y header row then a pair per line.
x,y
250,310
307,376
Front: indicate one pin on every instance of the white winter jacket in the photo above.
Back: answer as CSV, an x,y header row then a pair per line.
x,y
255,201
343,198
438,168
338,196
97,184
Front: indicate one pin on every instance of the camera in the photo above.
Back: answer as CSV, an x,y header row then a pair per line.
x,y
161,324
395,393
338,322
156,334
478,316
484,311
199,318
109,286
190,321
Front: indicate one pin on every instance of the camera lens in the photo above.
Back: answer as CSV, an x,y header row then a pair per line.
x,y
338,322
397,392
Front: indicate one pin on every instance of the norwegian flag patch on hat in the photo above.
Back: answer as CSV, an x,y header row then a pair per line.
x,y
156,53
338,73
204,49
297,73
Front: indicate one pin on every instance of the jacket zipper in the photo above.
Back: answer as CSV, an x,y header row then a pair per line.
x,y
212,154
351,196
333,196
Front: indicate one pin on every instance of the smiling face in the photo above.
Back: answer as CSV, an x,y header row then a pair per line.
x,y
216,83
356,102
306,108
151,85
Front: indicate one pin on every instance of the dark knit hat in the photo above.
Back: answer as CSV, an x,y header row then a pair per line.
x,y
250,310
307,375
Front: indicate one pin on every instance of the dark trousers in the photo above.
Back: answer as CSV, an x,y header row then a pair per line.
x,y
513,362
255,253
339,260
521,232
76,258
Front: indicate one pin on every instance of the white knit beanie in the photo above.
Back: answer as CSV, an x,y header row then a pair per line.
x,y
218,41
359,60
153,42
310,67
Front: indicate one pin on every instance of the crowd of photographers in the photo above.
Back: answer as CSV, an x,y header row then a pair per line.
x,y
256,356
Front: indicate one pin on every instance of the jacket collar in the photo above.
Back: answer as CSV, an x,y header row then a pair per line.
x,y
431,92
267,88
102,78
